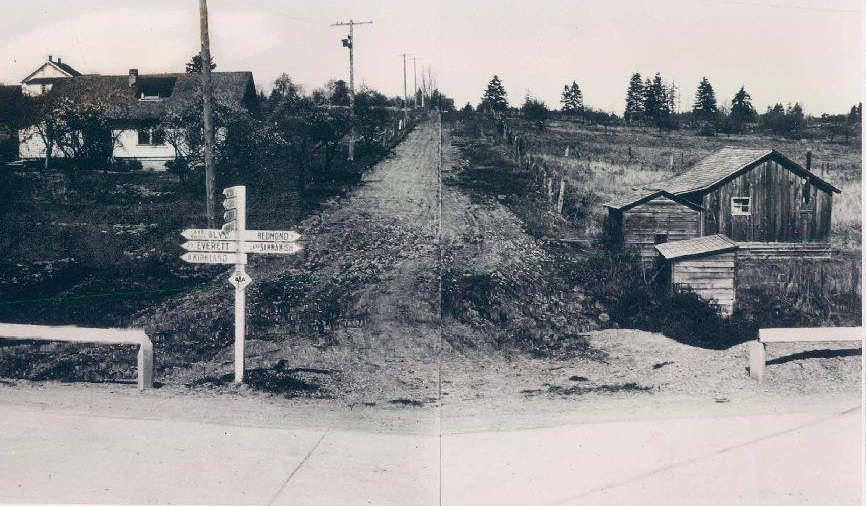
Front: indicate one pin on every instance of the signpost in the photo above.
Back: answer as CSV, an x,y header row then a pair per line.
x,y
230,245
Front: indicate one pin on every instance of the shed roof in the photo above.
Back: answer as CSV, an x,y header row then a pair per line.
x,y
699,246
728,163
628,201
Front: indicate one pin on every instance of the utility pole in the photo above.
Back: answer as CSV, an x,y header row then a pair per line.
x,y
405,95
415,74
207,93
350,43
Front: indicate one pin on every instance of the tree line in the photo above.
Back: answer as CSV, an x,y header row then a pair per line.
x,y
656,102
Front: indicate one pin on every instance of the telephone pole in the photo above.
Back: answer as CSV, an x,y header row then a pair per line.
x,y
207,92
405,95
350,43
415,74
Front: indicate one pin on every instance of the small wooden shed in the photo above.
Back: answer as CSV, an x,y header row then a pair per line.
x,y
641,221
706,266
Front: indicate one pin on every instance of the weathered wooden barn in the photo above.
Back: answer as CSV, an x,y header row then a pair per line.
x,y
707,266
639,222
757,195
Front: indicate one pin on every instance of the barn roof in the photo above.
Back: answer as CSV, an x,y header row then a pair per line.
x,y
177,92
627,202
699,246
728,163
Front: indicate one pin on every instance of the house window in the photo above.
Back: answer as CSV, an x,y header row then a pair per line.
x,y
741,206
151,137
660,238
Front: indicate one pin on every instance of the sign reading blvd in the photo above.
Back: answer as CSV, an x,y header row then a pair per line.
x,y
230,245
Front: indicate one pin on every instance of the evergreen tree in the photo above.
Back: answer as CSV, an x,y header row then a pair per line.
x,y
856,114
656,100
572,98
672,92
795,120
194,66
534,109
742,110
705,101
494,98
634,98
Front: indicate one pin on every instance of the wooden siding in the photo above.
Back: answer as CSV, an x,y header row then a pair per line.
x,y
778,213
661,215
710,277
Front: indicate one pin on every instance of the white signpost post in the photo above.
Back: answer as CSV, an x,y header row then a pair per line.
x,y
230,245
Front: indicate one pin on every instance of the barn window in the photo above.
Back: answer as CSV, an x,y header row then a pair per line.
x,y
741,206
660,238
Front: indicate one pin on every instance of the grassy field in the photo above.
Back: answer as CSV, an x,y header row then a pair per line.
x,y
606,162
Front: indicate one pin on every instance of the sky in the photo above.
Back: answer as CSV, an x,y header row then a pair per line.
x,y
807,51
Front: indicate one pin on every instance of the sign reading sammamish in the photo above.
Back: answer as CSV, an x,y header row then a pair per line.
x,y
229,245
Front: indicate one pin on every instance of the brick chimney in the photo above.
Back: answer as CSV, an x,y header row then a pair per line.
x,y
133,78
59,61
51,58
809,160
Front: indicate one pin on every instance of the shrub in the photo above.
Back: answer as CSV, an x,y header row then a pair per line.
x,y
121,165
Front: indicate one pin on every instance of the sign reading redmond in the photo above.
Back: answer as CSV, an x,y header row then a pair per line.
x,y
230,245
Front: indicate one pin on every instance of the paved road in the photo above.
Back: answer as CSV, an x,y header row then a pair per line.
x,y
149,449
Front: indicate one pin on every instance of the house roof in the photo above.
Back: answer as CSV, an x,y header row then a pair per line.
x,y
62,67
628,201
177,92
727,163
698,246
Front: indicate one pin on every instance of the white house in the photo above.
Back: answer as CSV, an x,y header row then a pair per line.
x,y
135,105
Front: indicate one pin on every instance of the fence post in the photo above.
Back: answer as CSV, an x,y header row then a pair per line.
x,y
757,359
145,364
561,199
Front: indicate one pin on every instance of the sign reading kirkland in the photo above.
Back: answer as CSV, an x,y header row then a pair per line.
x,y
229,245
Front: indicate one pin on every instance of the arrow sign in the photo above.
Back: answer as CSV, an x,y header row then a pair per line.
x,y
213,258
232,191
270,235
240,280
281,248
220,246
208,234
231,203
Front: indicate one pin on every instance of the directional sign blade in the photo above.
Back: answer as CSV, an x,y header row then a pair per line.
x,y
233,191
280,248
230,227
231,203
240,280
270,235
219,246
196,257
230,215
208,234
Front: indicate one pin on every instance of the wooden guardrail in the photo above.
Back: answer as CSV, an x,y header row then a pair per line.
x,y
758,348
90,335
